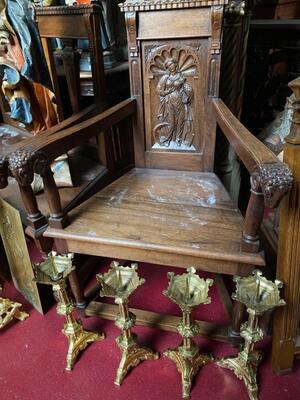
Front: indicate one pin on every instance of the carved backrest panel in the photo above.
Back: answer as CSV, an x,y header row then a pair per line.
x,y
174,49
172,88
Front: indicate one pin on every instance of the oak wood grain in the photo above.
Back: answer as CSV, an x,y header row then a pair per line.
x,y
251,150
143,211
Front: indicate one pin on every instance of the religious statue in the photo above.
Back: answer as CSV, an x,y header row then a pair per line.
x,y
175,115
26,81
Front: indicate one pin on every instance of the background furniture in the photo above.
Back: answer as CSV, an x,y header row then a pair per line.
x,y
101,86
70,23
171,208
286,338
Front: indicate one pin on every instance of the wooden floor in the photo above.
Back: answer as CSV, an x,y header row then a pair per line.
x,y
182,214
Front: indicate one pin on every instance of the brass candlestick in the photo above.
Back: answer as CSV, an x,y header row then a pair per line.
x,y
54,271
119,282
188,291
9,310
259,295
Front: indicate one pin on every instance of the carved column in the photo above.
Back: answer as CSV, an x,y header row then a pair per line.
x,y
93,25
70,58
21,166
269,184
287,319
136,85
57,218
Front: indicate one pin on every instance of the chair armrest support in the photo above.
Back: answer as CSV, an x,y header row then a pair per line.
x,y
269,176
33,140
37,157
60,142
270,179
31,155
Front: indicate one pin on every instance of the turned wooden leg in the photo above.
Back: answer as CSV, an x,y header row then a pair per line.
x,y
237,318
77,291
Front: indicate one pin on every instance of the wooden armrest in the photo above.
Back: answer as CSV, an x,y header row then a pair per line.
x,y
36,155
58,143
250,149
269,176
82,115
34,141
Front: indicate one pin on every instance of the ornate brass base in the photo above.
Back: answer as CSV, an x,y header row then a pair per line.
x,y
54,271
132,355
188,363
78,339
119,282
10,310
244,370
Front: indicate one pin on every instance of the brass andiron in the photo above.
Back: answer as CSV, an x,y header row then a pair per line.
x,y
120,282
188,291
55,271
10,310
259,295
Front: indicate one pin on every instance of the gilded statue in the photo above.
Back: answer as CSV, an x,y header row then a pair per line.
x,y
175,114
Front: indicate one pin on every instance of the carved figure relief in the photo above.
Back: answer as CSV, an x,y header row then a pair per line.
x,y
175,114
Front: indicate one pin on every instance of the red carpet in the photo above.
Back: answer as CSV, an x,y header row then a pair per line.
x,y
33,353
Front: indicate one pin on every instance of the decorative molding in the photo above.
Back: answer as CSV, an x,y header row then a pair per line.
x,y
186,56
133,46
216,24
155,5
213,86
67,10
3,172
273,181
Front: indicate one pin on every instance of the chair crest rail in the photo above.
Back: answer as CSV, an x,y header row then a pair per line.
x,y
154,5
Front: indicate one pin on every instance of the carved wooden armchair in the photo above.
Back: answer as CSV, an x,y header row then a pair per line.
x,y
171,208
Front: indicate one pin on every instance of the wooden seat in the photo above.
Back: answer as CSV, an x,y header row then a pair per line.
x,y
157,214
